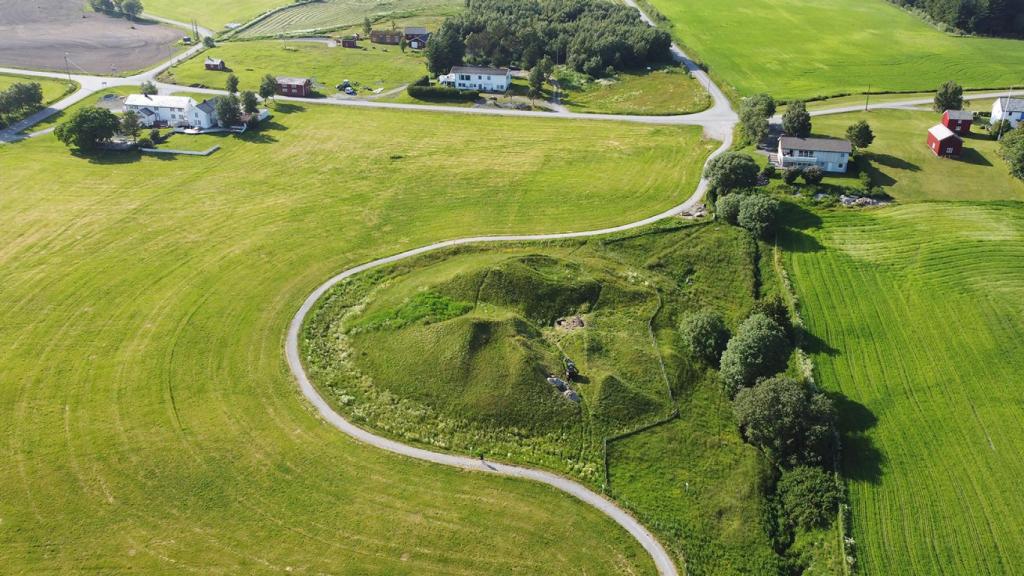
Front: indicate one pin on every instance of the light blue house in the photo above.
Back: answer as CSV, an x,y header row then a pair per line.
x,y
1008,108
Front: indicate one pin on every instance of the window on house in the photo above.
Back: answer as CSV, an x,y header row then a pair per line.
x,y
949,150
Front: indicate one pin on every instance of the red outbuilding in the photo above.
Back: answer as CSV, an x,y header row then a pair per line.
x,y
943,142
215,64
300,87
349,43
958,121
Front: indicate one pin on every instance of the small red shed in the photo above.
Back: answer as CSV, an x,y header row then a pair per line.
x,y
215,64
300,87
943,142
958,121
349,43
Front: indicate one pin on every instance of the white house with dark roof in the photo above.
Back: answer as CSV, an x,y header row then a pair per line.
x,y
1007,108
175,111
829,154
479,78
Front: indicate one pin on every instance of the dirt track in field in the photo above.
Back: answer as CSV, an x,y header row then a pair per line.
x,y
35,34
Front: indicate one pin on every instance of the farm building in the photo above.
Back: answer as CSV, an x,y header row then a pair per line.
x,y
349,43
1007,108
215,64
300,87
477,78
829,154
943,142
177,111
417,37
958,121
386,37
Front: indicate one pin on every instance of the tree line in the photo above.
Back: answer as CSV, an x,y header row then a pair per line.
x,y
19,100
596,37
988,17
130,8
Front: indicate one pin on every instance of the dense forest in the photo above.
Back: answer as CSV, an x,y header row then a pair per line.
x,y
987,17
591,36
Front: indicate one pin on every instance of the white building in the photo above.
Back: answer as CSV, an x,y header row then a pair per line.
x,y
477,78
1011,109
175,111
829,154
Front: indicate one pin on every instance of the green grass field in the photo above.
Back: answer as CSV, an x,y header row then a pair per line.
x,y
91,100
53,89
658,92
918,311
148,418
336,14
213,15
813,48
250,61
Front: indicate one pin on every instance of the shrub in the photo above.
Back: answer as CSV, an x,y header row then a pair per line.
x,y
1011,149
731,171
154,135
813,175
808,497
791,423
706,335
145,142
758,213
791,174
442,93
760,348
728,207
768,171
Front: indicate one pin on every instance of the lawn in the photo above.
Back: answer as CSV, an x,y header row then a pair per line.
x,y
53,89
817,48
373,67
91,100
149,421
919,312
657,92
903,164
330,15
213,15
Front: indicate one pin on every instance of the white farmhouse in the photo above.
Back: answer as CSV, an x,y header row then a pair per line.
x,y
176,111
829,154
477,78
1011,109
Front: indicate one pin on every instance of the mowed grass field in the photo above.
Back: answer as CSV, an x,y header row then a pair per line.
x,y
817,48
920,314
148,420
902,163
213,15
335,14
251,61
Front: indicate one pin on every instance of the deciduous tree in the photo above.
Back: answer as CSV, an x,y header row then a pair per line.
x,y
1011,149
949,97
88,128
796,121
706,334
231,84
792,423
731,171
860,135
759,349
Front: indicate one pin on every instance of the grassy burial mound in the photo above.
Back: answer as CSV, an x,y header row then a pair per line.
x,y
453,350
807,49
919,317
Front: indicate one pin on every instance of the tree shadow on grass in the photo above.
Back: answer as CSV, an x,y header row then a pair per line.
x,y
795,219
861,460
288,108
890,161
110,157
972,156
812,344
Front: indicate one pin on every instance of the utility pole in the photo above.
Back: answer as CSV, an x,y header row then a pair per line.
x,y
1009,98
867,98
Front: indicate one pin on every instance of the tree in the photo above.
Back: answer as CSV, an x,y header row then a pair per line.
x,y
728,207
731,171
208,42
536,81
791,174
706,335
754,115
231,84
1011,149
148,88
446,49
19,99
759,348
777,310
131,8
268,87
102,5
860,135
808,497
813,175
367,25
949,97
793,424
228,110
250,105
797,121
403,44
88,128
757,214
130,125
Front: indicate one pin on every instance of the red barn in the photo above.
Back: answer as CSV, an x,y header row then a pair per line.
x,y
300,87
943,142
349,43
215,64
958,121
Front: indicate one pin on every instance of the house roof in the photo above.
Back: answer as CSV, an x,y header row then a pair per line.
x,y
292,81
158,101
417,30
1014,105
482,70
211,60
207,106
941,132
960,114
816,144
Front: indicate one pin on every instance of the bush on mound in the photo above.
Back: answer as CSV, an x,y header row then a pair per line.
x,y
760,348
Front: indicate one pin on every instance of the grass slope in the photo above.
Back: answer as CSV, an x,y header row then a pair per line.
x,y
920,315
148,420
812,48
337,14
250,61
213,15
53,89
658,92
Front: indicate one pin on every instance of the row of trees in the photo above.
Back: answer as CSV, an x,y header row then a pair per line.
x,y
130,8
19,100
591,36
989,17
